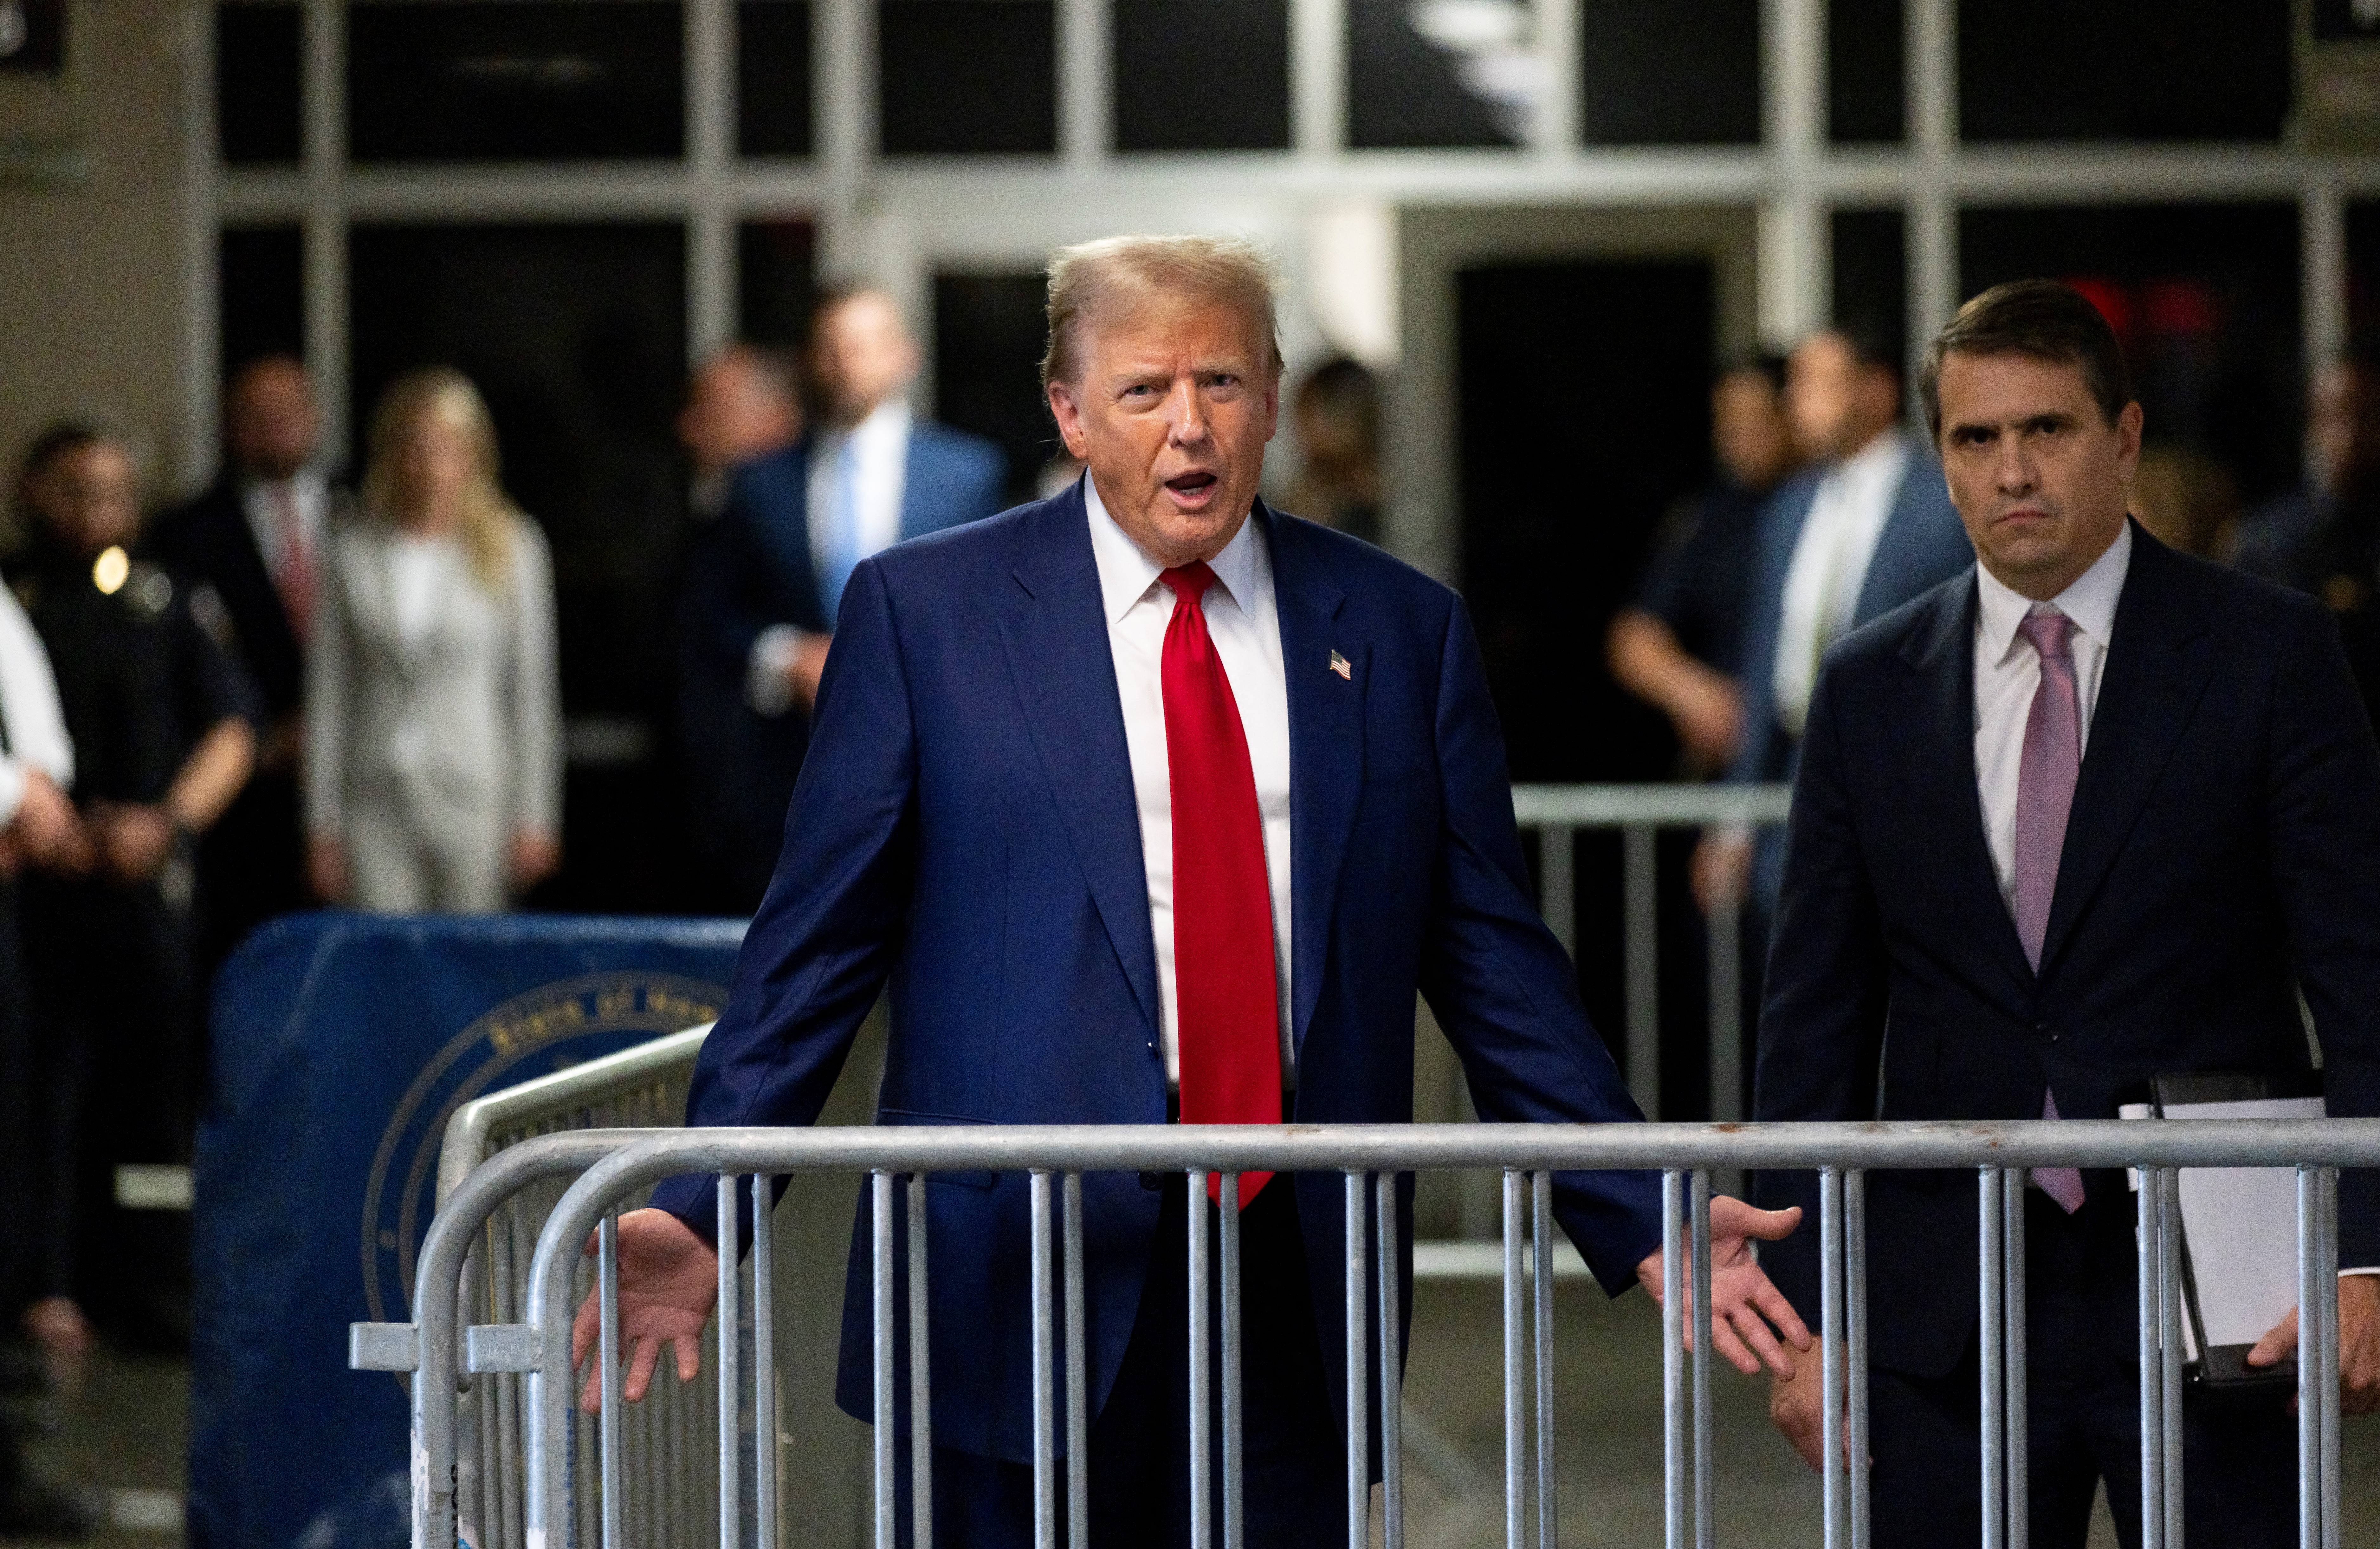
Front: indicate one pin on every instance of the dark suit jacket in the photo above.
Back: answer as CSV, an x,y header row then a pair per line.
x,y
966,826
2223,850
208,540
751,569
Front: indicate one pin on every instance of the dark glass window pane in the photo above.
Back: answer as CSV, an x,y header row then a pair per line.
x,y
1871,273
989,333
515,81
1670,72
1865,73
968,77
1201,75
2123,69
36,44
261,294
772,78
1407,90
2343,19
2205,298
260,101
776,281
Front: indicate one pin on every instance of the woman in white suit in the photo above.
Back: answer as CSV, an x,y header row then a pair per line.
x,y
432,704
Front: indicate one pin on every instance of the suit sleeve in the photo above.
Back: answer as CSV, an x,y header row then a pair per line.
x,y
818,951
1822,1023
2325,816
1757,760
1503,989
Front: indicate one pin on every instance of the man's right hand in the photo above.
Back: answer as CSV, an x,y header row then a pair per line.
x,y
806,666
1722,869
669,1281
46,829
1797,1404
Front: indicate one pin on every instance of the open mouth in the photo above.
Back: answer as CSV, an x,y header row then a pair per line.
x,y
1193,486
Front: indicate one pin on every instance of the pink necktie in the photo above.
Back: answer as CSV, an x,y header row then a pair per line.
x,y
2045,795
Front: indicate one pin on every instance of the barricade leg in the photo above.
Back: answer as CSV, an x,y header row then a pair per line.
x,y
2170,1346
1357,1353
1392,1473
1045,1399
1233,1389
880,1247
2152,1358
1516,1488
922,1385
1831,1363
1078,1430
1541,1301
2327,1367
1993,1317
2012,1301
1703,1511
764,1361
1673,1362
608,1354
1202,1403
1855,1431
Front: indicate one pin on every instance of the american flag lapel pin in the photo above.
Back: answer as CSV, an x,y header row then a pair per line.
x,y
1339,665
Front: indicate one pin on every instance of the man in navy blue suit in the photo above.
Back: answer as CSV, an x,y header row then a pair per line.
x,y
1153,802
761,610
2092,812
1865,528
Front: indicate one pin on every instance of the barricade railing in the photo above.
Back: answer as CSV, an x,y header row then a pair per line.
x,y
1640,813
637,1089
615,1167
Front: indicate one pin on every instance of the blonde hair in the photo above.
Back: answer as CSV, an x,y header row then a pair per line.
x,y
1093,280
484,515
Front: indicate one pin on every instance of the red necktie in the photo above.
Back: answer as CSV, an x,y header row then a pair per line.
x,y
296,580
1227,1027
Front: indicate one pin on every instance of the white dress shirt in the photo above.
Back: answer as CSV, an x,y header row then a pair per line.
x,y
309,493
32,728
879,466
2007,673
1848,514
1243,621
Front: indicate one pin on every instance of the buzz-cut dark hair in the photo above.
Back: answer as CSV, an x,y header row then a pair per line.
x,y
2041,320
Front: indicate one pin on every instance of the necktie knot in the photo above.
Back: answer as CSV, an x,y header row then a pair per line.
x,y
1189,582
2047,633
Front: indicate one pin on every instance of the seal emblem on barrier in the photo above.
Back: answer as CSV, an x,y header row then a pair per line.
x,y
544,1029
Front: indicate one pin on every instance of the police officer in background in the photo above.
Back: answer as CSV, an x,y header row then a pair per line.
x,y
162,725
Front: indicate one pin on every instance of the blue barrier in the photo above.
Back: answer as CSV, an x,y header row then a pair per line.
x,y
340,1045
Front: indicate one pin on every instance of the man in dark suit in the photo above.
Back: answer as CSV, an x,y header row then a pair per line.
x,y
2092,812
255,540
1862,529
798,522
1149,801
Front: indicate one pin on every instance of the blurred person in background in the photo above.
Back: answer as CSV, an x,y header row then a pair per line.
x,y
1337,414
433,717
162,723
1680,645
39,830
1865,528
796,524
744,404
2186,500
2323,537
255,539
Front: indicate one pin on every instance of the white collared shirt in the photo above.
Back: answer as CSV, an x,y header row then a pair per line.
x,y
309,493
1847,517
1244,622
2007,670
879,462
879,456
31,720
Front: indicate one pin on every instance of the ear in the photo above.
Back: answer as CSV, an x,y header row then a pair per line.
x,y
1272,405
1068,412
2127,442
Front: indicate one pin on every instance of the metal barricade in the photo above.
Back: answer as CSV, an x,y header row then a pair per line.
x,y
617,1167
1640,813
670,1435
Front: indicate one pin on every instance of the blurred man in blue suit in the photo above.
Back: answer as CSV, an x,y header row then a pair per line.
x,y
1153,803
1865,528
761,613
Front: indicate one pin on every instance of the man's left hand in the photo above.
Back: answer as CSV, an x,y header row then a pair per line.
x,y
135,842
1749,1313
2358,1343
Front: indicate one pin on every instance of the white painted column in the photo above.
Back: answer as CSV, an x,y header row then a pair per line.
x,y
1318,76
1794,279
1553,131
325,175
1085,85
844,80
202,366
710,138
1931,38
2322,239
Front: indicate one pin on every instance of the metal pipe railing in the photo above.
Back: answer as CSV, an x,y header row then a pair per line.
x,y
1369,1158
1639,813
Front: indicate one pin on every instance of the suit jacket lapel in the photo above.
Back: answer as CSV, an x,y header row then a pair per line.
x,y
2157,666
1326,747
1054,628
1944,656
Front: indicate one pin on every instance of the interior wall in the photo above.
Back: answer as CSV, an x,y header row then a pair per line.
x,y
90,224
